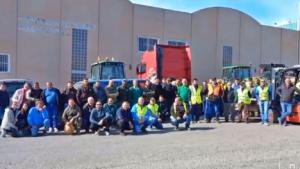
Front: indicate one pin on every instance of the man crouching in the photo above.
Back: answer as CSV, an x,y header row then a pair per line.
x,y
180,114
72,118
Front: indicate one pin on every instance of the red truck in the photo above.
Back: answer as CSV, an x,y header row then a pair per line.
x,y
166,61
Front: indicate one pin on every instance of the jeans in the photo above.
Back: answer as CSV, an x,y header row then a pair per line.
x,y
213,108
175,122
196,111
2,109
264,113
52,110
106,125
35,130
286,109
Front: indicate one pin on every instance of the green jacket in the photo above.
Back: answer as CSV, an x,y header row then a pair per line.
x,y
184,92
135,93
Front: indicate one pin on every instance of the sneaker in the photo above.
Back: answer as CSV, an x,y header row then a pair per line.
x,y
266,124
50,130
279,121
107,133
55,130
3,133
97,133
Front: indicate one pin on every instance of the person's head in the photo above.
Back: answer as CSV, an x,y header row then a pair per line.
x,y
98,104
49,84
262,82
26,86
242,84
157,81
177,100
287,82
124,82
71,102
70,84
110,101
125,105
152,100
91,101
97,84
25,107
169,80
14,104
195,81
36,85
39,104
161,98
2,86
228,85
236,81
184,82
135,83
147,83
111,83
141,101
85,82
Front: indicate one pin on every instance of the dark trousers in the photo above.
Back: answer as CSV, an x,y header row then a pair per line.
x,y
86,121
123,125
106,125
196,111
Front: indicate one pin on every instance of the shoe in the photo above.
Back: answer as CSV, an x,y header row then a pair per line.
x,y
279,121
55,130
97,133
50,130
266,124
107,133
3,133
123,133
188,128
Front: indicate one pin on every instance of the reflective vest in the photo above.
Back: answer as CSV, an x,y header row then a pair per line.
x,y
196,94
263,93
141,110
153,108
243,96
184,106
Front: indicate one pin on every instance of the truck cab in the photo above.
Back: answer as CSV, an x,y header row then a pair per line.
x,y
107,69
236,72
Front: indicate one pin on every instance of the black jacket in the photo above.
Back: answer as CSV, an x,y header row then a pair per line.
x,y
4,99
286,93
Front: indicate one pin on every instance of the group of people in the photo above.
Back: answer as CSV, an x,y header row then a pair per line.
x,y
133,108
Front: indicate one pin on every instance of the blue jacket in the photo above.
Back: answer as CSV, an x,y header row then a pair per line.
x,y
35,117
97,115
124,115
51,96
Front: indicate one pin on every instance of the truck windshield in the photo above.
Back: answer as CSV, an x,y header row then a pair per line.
x,y
112,71
241,72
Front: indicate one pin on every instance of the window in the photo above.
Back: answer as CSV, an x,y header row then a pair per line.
x,y
177,43
4,63
146,43
227,55
79,54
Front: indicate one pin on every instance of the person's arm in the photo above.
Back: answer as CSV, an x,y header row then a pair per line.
x,y
279,90
78,112
64,115
92,116
78,95
28,97
29,118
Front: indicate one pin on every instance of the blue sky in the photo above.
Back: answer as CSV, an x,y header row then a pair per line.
x,y
265,11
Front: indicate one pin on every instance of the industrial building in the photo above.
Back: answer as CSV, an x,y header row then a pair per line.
x,y
58,40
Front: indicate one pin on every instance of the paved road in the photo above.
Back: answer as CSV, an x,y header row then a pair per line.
x,y
207,146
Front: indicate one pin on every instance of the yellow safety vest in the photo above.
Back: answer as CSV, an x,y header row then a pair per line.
x,y
264,93
153,108
243,96
196,94
141,111
184,105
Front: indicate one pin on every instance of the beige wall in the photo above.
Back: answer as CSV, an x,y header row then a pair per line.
x,y
116,26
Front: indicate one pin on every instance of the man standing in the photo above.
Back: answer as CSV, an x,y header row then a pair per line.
x,y
50,97
100,92
124,118
112,91
69,93
20,95
100,119
84,93
263,92
229,102
4,100
170,92
38,118
135,92
180,114
34,94
86,112
148,92
244,99
286,92
213,101
157,88
196,100
184,91
72,115
124,93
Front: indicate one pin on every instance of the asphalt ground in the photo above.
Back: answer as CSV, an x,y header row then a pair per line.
x,y
206,146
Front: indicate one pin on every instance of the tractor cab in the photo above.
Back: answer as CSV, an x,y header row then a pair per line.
x,y
107,69
236,72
